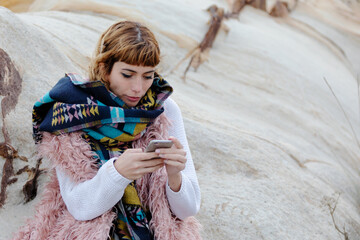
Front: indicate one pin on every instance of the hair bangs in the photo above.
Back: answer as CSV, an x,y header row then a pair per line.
x,y
142,54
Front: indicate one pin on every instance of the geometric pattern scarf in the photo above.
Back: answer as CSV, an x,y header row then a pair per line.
x,y
76,104
110,126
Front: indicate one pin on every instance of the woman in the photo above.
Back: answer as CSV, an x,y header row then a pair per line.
x,y
94,132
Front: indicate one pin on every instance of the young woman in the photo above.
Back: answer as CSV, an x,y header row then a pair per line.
x,y
94,132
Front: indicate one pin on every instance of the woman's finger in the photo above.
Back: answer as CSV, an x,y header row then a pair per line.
x,y
151,169
134,150
171,151
178,165
152,162
174,157
176,142
143,155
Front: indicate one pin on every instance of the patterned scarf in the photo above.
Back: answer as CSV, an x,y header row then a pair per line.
x,y
110,126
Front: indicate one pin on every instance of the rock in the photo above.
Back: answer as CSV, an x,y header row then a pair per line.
x,y
273,149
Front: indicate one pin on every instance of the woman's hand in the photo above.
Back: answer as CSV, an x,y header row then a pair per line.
x,y
134,163
175,160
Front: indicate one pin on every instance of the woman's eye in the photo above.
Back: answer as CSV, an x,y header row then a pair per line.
x,y
126,75
148,77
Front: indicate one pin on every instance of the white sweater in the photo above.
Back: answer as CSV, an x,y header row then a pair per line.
x,y
92,198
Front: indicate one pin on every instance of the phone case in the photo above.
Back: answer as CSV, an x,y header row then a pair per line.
x,y
154,144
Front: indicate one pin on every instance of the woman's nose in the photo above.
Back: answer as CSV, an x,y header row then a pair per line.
x,y
137,85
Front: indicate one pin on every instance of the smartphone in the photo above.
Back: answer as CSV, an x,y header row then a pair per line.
x,y
154,144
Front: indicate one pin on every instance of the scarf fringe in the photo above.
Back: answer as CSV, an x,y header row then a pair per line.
x,y
79,161
52,220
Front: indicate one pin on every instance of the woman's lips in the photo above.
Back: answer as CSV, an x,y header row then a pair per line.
x,y
133,99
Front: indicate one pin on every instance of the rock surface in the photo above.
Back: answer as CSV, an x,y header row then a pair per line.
x,y
271,145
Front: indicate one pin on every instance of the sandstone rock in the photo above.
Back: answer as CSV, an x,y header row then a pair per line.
x,y
272,148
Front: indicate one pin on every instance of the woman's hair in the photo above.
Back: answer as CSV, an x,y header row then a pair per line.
x,y
125,41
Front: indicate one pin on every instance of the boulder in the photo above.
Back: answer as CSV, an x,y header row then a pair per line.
x,y
271,117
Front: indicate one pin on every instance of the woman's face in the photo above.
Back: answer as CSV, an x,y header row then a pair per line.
x,y
130,82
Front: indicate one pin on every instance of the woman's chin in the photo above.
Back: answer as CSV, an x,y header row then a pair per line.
x,y
131,104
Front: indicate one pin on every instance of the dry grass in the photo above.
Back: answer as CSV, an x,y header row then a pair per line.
x,y
341,107
331,203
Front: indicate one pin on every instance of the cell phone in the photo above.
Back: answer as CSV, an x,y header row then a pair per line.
x,y
154,144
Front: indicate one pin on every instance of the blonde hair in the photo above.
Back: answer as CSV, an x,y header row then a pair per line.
x,y
124,41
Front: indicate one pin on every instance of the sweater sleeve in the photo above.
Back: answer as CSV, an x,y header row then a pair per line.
x,y
92,198
185,202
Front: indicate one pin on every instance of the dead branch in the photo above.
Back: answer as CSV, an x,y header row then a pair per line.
x,y
236,8
6,151
260,4
200,53
30,187
280,9
8,176
238,5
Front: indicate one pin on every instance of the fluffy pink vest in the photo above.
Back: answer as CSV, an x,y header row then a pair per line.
x,y
70,152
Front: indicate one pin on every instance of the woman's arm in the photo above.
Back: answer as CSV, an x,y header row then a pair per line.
x,y
95,196
185,202
90,199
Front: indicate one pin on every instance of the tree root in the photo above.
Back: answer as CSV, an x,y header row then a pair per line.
x,y
8,175
9,153
30,187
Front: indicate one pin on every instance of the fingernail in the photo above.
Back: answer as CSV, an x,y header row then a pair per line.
x,y
157,151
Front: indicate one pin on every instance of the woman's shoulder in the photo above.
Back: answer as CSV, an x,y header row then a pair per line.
x,y
172,110
171,106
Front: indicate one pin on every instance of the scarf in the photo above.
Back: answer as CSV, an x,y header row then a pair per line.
x,y
76,104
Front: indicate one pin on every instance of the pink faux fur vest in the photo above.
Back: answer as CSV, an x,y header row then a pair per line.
x,y
70,152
